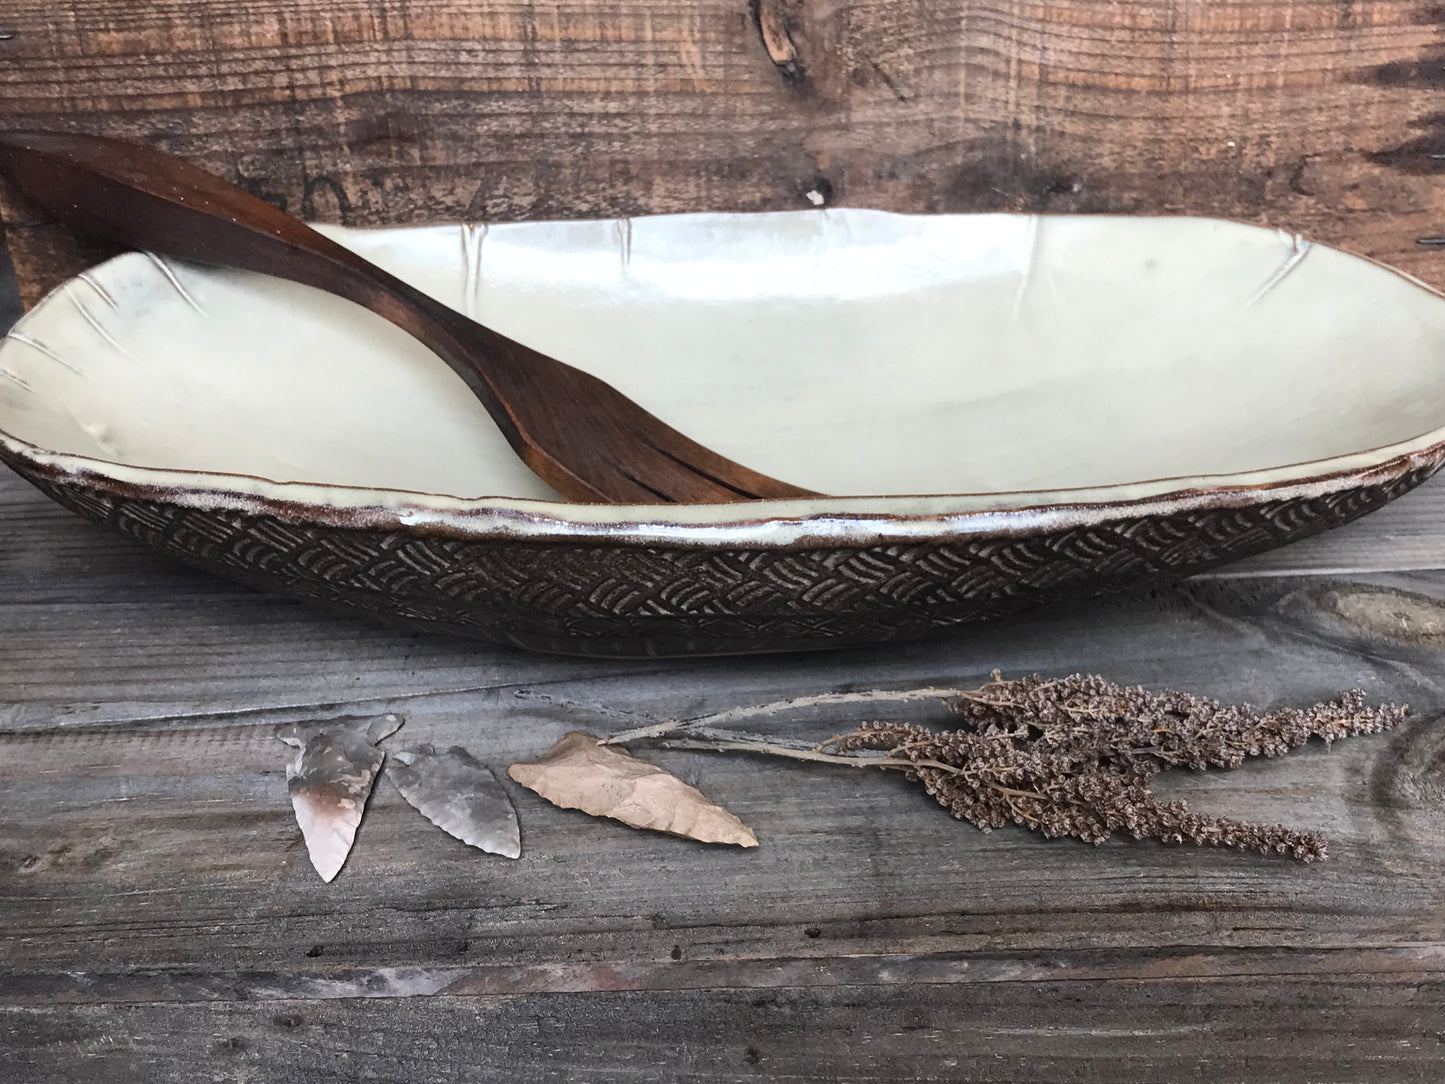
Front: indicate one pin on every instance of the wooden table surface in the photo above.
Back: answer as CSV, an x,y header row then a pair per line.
x,y
159,920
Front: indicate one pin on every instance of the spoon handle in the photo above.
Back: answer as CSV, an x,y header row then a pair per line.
x,y
149,200
145,199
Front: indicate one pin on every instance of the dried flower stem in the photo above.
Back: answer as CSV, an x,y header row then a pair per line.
x,y
778,707
721,745
1068,757
854,760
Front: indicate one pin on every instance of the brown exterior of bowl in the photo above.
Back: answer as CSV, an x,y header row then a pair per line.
x,y
600,597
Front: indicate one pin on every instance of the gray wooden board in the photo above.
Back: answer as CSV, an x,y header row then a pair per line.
x,y
159,919
1065,1029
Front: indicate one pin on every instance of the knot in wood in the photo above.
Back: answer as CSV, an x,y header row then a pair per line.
x,y
775,20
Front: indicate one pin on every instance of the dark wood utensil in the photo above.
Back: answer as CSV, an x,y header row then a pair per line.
x,y
580,435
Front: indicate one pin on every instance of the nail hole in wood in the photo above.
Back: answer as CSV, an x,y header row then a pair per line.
x,y
820,192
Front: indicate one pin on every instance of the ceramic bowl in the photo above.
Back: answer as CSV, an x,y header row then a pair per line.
x,y
1009,410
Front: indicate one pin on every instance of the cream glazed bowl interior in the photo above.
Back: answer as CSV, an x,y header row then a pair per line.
x,y
1006,409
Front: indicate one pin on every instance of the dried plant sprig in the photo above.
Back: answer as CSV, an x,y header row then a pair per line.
x,y
1087,715
1075,756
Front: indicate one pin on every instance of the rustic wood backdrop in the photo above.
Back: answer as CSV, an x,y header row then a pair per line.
x,y
158,918
1320,115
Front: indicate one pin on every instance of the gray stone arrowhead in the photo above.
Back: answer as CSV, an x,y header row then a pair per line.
x,y
460,795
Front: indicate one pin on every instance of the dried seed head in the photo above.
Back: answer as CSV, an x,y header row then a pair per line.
x,y
1075,757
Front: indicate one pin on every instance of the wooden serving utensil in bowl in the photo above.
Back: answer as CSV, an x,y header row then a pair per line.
x,y
579,434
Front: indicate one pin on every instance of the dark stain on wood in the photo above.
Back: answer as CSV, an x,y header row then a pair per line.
x,y
1425,72
1424,154
392,135
999,174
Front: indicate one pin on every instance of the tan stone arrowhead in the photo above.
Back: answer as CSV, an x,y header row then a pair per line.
x,y
579,772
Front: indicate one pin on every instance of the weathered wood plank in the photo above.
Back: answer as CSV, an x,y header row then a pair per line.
x,y
1315,1029
1315,114
675,972
176,849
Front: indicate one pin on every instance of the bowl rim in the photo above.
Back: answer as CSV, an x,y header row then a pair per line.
x,y
771,524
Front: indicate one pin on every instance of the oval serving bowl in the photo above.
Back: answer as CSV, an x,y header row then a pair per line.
x,y
1010,410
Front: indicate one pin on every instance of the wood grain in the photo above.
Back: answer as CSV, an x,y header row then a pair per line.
x,y
1316,115
159,920
1149,1030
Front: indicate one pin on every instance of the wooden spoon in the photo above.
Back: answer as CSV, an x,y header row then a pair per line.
x,y
580,435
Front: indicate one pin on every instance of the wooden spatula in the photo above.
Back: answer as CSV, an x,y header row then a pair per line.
x,y
580,435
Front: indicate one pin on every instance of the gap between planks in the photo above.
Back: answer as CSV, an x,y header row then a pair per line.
x,y
1394,964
